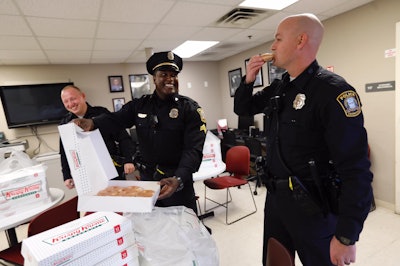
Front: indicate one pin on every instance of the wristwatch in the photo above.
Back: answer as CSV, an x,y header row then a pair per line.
x,y
180,182
345,241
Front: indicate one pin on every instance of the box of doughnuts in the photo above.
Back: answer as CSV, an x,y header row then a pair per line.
x,y
85,241
92,170
23,189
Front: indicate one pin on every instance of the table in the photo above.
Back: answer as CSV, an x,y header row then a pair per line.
x,y
8,224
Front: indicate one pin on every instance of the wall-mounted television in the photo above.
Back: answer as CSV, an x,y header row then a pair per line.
x,y
34,104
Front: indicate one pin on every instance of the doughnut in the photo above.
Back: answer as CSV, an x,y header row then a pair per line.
x,y
146,193
267,57
130,191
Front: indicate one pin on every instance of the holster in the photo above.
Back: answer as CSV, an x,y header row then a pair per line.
x,y
305,199
332,185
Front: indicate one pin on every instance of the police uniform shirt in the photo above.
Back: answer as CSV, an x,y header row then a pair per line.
x,y
125,147
170,132
320,118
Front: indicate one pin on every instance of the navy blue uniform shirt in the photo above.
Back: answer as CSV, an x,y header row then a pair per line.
x,y
319,118
171,133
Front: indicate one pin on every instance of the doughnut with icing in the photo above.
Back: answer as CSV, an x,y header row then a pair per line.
x,y
130,191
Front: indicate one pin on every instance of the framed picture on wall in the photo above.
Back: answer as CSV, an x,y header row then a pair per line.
x,y
140,85
234,76
118,103
259,78
274,72
116,83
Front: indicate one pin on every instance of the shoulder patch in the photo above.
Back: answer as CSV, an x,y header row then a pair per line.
x,y
350,103
201,114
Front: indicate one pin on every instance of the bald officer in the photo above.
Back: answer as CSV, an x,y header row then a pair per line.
x,y
171,130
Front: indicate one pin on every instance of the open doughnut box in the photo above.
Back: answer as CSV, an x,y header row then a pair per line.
x,y
92,168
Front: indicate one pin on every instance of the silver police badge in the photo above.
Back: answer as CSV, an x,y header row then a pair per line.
x,y
299,101
173,113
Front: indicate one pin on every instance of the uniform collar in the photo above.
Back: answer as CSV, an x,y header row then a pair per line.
x,y
302,80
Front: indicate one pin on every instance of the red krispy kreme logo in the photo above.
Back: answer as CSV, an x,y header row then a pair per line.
x,y
21,192
120,241
117,228
74,232
124,254
75,159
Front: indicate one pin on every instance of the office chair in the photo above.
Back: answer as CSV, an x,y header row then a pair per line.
x,y
277,254
55,216
238,167
256,159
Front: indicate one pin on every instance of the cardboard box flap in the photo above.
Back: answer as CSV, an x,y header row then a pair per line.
x,y
87,157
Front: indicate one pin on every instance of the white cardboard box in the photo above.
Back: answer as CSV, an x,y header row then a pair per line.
x,y
92,168
108,250
72,240
23,189
128,256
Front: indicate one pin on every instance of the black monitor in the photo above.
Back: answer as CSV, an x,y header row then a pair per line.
x,y
245,122
33,104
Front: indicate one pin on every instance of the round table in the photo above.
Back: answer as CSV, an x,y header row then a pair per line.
x,y
8,224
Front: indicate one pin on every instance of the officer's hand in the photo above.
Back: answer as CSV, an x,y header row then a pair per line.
x,y
69,183
252,68
84,123
341,254
129,168
168,187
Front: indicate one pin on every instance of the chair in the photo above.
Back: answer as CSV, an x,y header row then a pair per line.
x,y
237,165
55,216
277,254
256,160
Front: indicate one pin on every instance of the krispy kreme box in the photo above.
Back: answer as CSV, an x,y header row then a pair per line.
x,y
68,242
23,189
116,250
92,170
127,257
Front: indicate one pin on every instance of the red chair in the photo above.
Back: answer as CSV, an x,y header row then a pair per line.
x,y
277,254
238,167
55,216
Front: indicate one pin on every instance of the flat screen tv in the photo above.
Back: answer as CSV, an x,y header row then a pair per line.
x,y
31,105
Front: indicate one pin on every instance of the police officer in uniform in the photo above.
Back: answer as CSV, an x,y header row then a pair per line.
x,y
171,131
119,143
316,144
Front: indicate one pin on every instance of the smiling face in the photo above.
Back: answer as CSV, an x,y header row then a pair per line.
x,y
166,82
74,100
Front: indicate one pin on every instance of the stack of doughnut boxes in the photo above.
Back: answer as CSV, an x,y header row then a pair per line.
x,y
101,238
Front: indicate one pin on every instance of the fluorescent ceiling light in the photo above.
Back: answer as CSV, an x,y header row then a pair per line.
x,y
191,48
268,4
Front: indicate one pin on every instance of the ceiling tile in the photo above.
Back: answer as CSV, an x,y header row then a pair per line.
x,y
14,26
62,28
67,9
66,44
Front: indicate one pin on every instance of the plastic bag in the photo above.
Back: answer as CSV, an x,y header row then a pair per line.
x,y
173,236
17,160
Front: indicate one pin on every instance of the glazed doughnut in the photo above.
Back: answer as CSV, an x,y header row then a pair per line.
x,y
146,193
130,191
267,57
